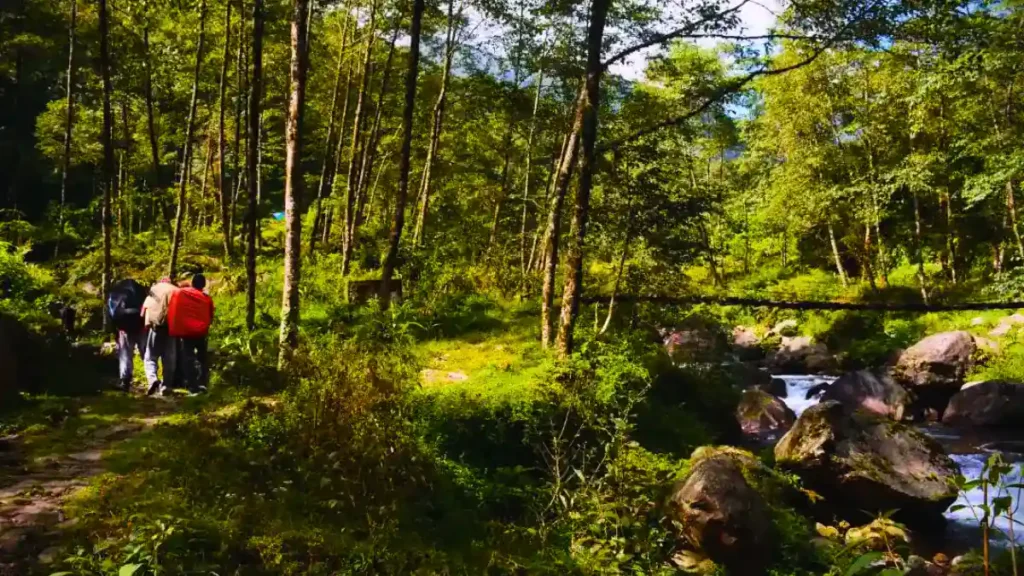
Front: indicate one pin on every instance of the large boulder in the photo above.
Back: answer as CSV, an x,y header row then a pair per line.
x,y
802,355
762,415
746,343
862,462
720,514
992,403
870,391
695,344
939,362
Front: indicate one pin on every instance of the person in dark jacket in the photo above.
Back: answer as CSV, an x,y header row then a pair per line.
x,y
124,305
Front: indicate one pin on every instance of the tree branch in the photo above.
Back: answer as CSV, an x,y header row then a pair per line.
x,y
677,33
736,85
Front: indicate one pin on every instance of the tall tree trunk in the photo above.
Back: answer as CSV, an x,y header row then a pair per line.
x,y
533,262
126,154
186,156
868,269
340,152
526,181
919,250
435,132
503,190
108,154
398,219
293,188
1011,209
357,131
590,104
69,120
562,177
225,194
627,238
241,93
154,146
950,236
370,150
207,162
835,254
325,168
252,153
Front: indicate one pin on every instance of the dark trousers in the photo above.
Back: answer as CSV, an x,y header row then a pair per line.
x,y
195,369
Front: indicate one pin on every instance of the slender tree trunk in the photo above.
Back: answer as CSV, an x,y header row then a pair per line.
x,y
503,190
835,254
370,151
357,131
919,250
591,102
154,146
201,219
1011,208
950,236
435,132
186,156
621,268
241,91
566,165
252,152
69,121
225,199
868,269
108,153
125,193
535,263
398,219
526,182
293,188
340,152
325,173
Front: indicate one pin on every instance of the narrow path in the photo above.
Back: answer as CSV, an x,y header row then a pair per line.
x,y
35,484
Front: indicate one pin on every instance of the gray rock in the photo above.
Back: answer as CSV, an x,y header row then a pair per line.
x,y
940,361
786,328
801,354
867,390
993,403
762,415
862,462
719,514
746,343
697,344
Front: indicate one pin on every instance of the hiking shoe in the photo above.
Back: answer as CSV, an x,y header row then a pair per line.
x,y
125,386
197,390
155,388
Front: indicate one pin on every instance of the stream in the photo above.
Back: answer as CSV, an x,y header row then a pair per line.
x,y
969,449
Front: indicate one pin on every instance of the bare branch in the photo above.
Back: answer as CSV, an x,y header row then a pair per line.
x,y
677,33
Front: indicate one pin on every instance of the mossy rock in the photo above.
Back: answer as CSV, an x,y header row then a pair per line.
x,y
863,462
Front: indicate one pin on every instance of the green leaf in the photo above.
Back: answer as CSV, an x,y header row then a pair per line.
x,y
957,507
129,569
63,574
862,563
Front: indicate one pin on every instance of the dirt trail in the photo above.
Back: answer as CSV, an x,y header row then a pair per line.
x,y
33,491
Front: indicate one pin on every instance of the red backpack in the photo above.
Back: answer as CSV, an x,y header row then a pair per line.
x,y
189,314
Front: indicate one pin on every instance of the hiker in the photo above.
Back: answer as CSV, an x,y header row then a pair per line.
x,y
124,306
189,315
161,347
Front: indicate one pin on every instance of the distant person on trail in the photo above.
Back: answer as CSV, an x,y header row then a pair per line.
x,y
124,306
189,317
161,347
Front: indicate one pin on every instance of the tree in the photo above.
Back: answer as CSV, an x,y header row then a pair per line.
x,y
293,186
398,219
437,124
186,155
108,153
225,194
68,122
252,162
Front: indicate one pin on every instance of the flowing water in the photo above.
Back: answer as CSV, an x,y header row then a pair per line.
x,y
968,450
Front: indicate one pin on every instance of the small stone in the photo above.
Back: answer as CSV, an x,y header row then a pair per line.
x,y
977,321
49,555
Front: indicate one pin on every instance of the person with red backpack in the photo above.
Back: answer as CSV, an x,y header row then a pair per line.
x,y
189,315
